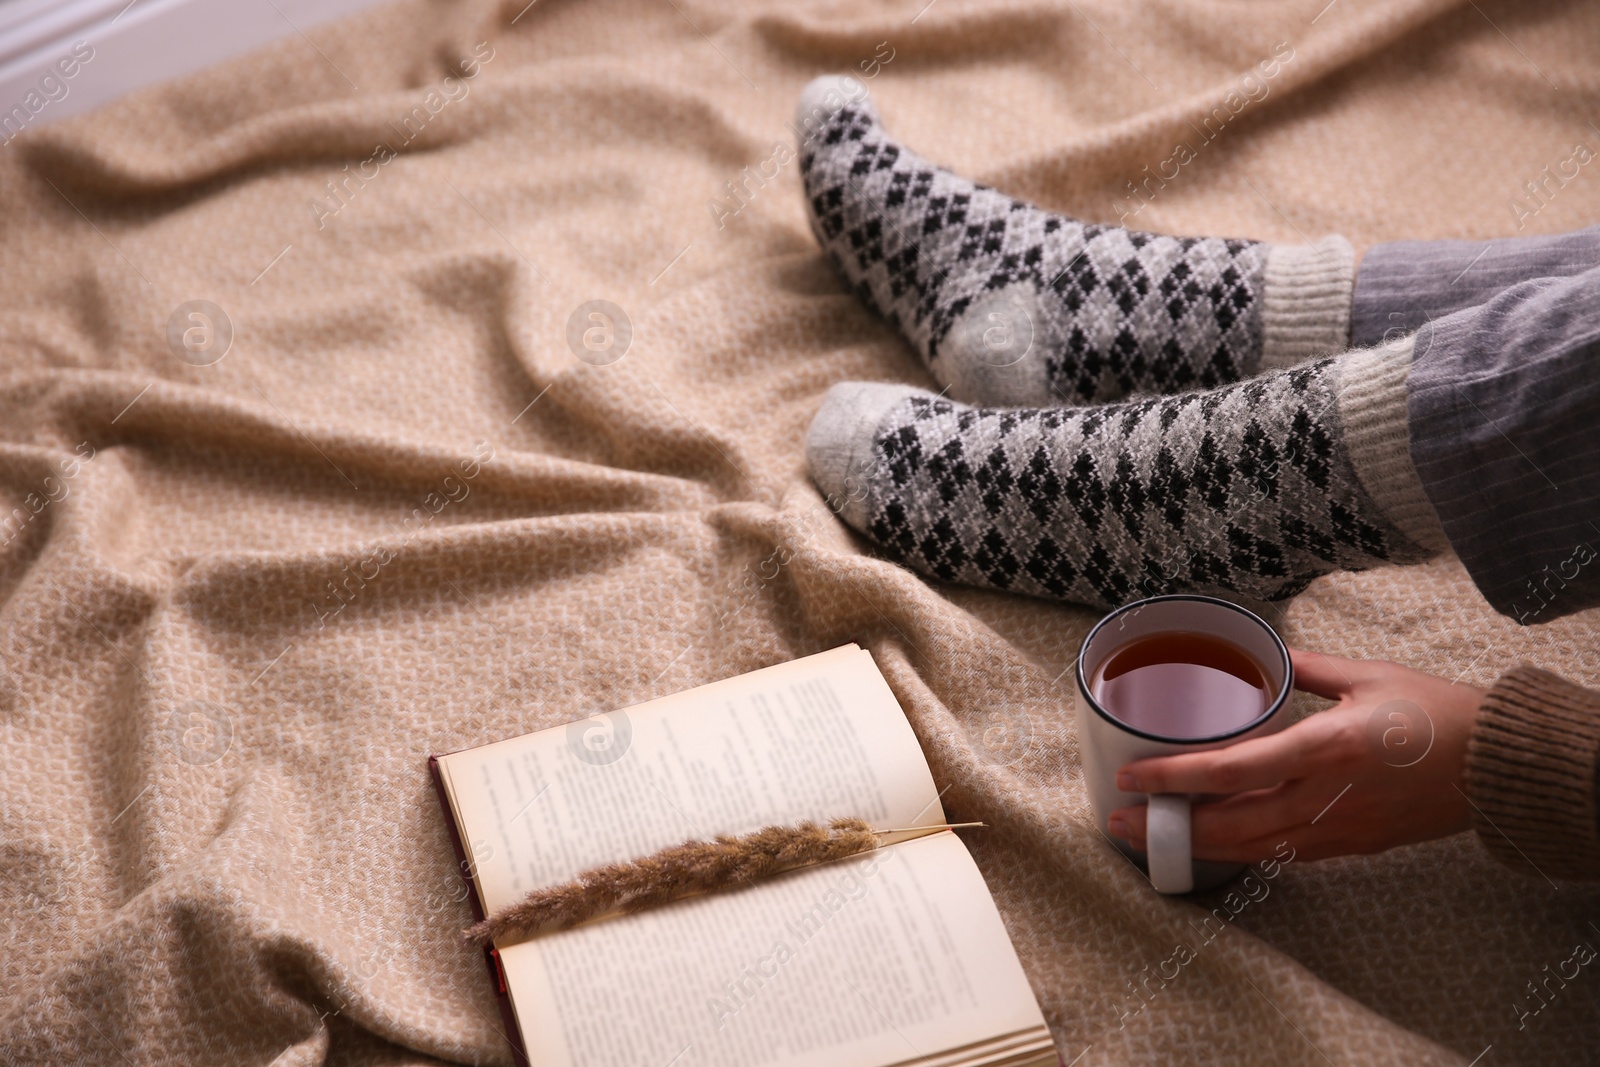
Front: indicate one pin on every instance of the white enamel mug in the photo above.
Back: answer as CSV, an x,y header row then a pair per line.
x,y
1107,743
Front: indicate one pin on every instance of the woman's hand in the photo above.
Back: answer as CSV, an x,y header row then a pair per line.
x,y
1381,768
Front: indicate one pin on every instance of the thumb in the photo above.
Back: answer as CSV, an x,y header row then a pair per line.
x,y
1323,675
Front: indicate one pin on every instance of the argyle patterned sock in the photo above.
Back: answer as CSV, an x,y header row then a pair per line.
x,y
1253,488
1008,304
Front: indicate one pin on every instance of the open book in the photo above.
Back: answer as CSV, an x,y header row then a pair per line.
x,y
896,956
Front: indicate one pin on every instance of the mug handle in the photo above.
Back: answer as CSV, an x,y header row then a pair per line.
x,y
1167,843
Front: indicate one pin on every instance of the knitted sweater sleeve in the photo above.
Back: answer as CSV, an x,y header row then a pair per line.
x,y
1531,774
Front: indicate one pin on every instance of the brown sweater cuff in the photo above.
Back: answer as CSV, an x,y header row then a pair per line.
x,y
1531,767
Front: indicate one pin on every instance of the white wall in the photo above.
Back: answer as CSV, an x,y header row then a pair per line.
x,y
130,45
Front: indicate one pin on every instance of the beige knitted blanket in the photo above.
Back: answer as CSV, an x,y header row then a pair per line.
x,y
260,555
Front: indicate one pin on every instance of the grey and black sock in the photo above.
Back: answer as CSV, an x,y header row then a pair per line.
x,y
1254,488
1009,304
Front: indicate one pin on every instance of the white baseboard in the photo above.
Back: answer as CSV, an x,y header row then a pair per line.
x,y
128,45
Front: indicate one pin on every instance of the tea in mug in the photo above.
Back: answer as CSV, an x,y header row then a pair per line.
x,y
1183,685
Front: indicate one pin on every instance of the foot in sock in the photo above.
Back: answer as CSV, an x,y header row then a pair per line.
x,y
1009,304
1252,489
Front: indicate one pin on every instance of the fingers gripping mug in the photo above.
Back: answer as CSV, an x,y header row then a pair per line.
x,y
1169,675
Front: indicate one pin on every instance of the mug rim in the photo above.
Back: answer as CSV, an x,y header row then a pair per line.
x,y
1272,709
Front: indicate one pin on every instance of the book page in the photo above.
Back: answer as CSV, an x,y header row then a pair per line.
x,y
817,738
892,956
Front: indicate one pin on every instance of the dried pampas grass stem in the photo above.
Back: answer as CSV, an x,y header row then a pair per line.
x,y
681,870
